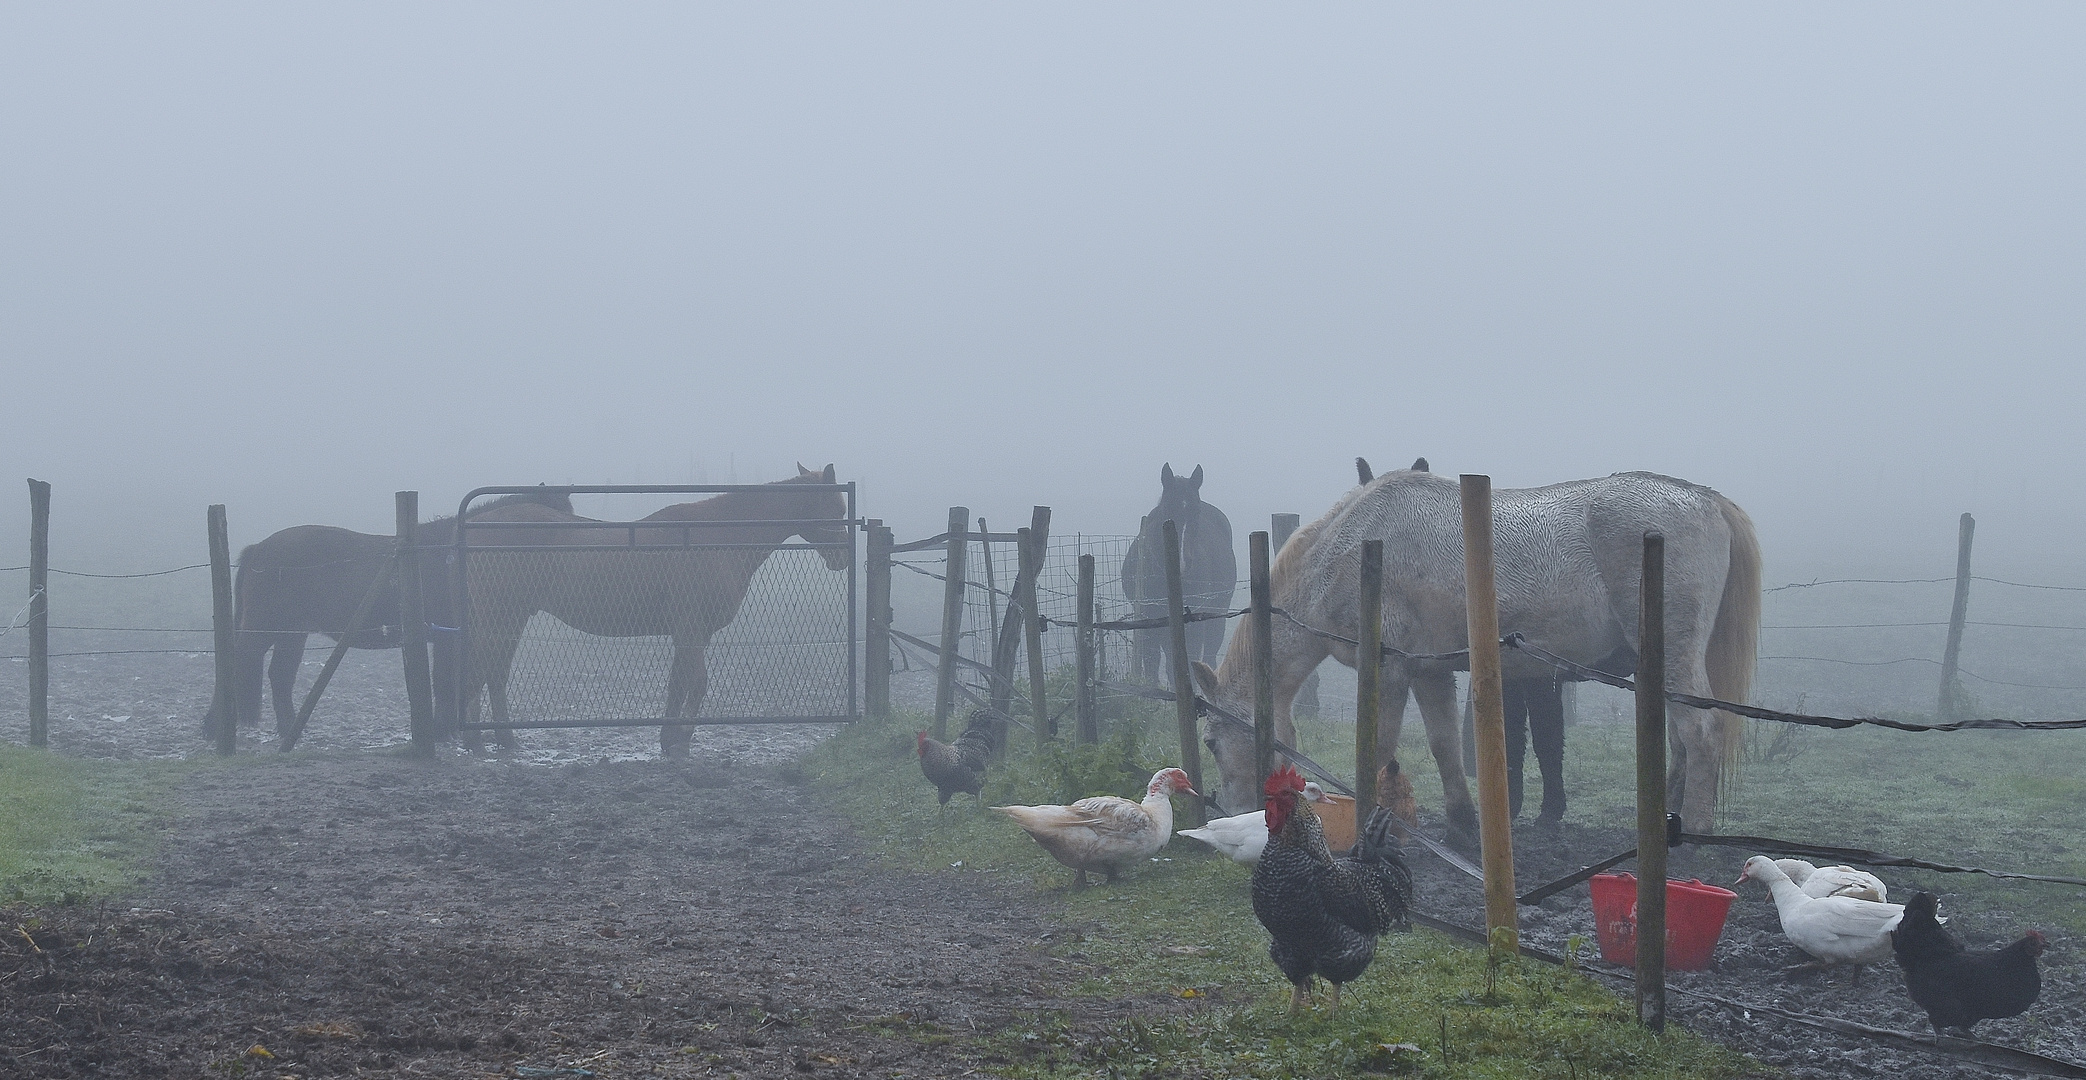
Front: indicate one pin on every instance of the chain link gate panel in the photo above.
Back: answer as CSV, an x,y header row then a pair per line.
x,y
572,622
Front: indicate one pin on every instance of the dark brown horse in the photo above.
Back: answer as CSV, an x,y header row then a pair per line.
x,y
686,594
311,579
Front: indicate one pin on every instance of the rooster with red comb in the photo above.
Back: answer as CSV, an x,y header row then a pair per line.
x,y
1322,911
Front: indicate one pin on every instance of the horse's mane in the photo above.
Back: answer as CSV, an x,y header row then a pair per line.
x,y
1287,567
556,498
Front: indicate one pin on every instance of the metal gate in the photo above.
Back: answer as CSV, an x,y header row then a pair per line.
x,y
577,618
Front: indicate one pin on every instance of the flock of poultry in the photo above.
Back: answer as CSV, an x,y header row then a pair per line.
x,y
1324,910
1840,915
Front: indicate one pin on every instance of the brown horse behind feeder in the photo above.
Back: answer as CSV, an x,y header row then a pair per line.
x,y
687,595
311,579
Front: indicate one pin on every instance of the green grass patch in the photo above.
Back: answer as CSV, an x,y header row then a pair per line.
x,y
1183,926
73,830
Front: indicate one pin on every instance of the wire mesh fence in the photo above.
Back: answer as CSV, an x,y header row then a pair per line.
x,y
782,651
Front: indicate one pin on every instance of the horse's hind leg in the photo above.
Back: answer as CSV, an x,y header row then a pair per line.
x,y
1514,704
249,668
1546,731
1436,693
282,680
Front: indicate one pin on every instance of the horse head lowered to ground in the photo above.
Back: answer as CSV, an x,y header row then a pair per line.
x,y
1568,563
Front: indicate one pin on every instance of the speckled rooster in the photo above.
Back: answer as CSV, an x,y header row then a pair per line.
x,y
958,766
1324,911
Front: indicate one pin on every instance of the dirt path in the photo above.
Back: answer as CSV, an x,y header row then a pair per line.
x,y
364,915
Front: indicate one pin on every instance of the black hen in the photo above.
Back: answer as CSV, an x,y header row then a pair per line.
x,y
1956,987
959,766
1324,912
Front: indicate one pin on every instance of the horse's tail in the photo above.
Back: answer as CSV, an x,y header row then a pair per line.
x,y
241,584
1734,642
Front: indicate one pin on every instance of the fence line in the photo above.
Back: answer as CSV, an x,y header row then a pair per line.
x,y
1516,641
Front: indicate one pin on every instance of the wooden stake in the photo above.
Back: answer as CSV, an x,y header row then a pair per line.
x,y
412,617
1032,621
992,594
1651,786
1087,726
1951,687
225,637
1494,824
1263,658
1368,682
1183,680
876,639
39,613
952,621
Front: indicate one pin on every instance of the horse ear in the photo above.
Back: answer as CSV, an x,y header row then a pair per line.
x,y
801,470
1205,679
1419,465
1195,478
1363,471
1166,475
827,476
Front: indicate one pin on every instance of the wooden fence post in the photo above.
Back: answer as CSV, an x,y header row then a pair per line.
x,y
1263,658
952,621
1087,728
1183,681
39,613
876,638
1951,685
1305,703
1022,612
1651,786
420,691
1032,620
1368,679
1482,604
224,636
992,594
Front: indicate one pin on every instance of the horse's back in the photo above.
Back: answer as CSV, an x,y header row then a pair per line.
x,y
309,578
1567,555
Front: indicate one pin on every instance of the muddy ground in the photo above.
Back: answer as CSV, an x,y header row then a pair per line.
x,y
364,915
581,905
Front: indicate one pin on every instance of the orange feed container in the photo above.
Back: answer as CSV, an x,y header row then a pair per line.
x,y
1695,916
1336,817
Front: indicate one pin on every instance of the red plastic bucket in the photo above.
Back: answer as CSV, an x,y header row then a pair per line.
x,y
1694,920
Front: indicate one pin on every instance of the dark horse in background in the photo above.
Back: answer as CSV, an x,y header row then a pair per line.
x,y
311,579
1209,572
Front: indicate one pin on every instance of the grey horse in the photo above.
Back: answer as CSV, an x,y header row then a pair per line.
x,y
1209,572
1569,559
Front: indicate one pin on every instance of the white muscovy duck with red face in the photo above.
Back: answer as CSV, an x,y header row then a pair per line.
x,y
1104,833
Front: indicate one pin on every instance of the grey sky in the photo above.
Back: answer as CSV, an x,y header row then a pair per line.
x,y
294,257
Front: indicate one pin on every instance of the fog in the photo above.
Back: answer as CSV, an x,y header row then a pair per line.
x,y
294,258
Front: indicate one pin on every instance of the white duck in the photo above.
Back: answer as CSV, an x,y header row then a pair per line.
x,y
1833,929
1104,833
1242,837
1834,880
